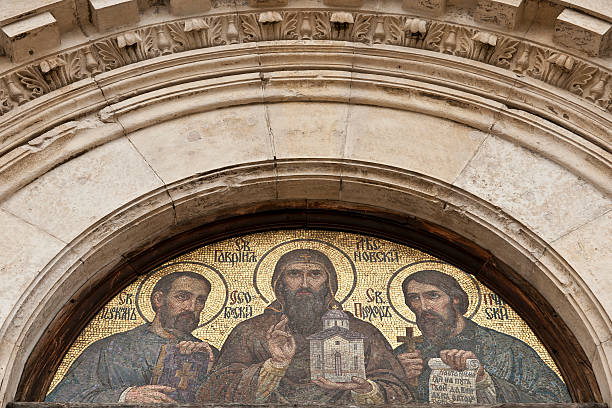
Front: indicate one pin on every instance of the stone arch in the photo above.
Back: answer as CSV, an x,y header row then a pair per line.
x,y
478,163
74,271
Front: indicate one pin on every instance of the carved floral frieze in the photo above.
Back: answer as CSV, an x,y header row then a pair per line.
x,y
521,57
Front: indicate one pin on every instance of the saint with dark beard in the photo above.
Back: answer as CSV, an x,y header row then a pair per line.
x,y
304,310
510,370
119,368
267,358
437,327
180,325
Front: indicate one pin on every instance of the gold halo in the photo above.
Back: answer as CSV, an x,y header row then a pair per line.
x,y
217,298
395,295
345,269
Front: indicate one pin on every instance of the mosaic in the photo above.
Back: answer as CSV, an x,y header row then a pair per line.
x,y
307,316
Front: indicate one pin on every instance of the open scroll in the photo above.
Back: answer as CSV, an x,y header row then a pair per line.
x,y
448,386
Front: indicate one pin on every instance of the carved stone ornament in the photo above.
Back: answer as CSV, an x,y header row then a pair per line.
x,y
568,72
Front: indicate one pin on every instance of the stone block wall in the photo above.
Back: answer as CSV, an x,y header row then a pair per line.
x,y
493,122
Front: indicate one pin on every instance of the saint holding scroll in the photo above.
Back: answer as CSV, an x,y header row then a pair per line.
x,y
508,370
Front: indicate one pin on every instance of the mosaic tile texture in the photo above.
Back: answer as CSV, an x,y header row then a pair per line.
x,y
369,276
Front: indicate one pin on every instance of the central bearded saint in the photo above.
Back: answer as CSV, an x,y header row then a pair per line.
x,y
267,357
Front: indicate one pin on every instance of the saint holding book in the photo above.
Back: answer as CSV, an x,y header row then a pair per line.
x,y
155,362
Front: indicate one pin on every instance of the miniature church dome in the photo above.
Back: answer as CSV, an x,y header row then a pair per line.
x,y
335,317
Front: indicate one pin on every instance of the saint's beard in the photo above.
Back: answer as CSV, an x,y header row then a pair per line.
x,y
304,312
435,327
181,324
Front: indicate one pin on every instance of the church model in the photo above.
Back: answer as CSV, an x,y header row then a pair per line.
x,y
336,353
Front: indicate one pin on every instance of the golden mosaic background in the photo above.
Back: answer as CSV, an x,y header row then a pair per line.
x,y
361,283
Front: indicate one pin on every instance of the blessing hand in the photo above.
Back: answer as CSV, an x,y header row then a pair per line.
x,y
281,344
357,384
189,347
154,394
456,359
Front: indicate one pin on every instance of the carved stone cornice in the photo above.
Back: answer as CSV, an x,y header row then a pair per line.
x,y
524,58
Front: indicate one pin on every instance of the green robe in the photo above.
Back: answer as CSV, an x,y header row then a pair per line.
x,y
517,371
109,366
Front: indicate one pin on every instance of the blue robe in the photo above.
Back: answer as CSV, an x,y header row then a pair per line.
x,y
517,371
109,366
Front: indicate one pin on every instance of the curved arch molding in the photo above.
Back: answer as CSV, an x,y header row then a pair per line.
x,y
114,146
287,214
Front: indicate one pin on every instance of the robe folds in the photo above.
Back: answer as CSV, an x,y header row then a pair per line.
x,y
235,376
110,365
516,370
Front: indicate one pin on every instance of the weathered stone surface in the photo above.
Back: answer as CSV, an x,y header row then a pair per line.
x,y
501,13
411,141
602,365
304,85
184,7
584,249
582,32
107,14
180,100
51,149
310,180
268,3
552,214
343,3
497,49
17,8
203,198
506,405
25,250
206,141
435,7
73,196
302,129
531,189
30,37
597,8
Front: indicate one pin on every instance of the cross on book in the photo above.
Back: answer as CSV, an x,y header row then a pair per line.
x,y
185,374
409,340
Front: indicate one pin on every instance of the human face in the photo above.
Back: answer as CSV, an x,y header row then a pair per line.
x,y
436,315
183,304
304,278
422,297
304,291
